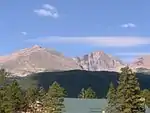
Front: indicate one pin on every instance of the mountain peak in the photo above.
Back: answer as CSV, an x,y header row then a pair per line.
x,y
98,61
37,59
98,52
28,50
142,61
36,46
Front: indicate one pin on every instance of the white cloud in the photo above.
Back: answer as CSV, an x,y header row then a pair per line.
x,y
24,33
128,25
133,53
47,6
47,10
96,41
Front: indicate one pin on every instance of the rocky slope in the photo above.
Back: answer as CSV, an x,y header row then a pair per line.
x,y
141,63
99,61
36,59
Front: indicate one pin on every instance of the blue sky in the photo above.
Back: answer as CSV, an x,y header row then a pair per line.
x,y
77,27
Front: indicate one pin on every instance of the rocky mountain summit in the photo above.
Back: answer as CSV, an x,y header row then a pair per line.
x,y
141,64
36,59
99,61
143,61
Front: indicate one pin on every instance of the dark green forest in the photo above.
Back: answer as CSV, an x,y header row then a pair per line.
x,y
74,81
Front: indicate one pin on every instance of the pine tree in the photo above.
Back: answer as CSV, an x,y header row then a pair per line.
x,y
3,76
41,94
90,93
40,98
54,99
146,95
82,93
10,94
31,95
34,96
12,99
16,96
5,105
121,89
87,94
111,97
129,99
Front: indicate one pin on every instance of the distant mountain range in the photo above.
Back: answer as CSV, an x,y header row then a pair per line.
x,y
37,59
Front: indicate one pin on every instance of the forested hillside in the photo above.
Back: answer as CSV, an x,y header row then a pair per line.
x,y
74,81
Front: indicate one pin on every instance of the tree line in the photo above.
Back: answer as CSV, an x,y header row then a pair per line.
x,y
127,97
14,99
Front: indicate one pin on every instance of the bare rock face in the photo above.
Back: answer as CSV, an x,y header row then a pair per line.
x,y
99,61
36,59
141,62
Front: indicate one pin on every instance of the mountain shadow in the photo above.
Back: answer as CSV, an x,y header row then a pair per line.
x,y
74,81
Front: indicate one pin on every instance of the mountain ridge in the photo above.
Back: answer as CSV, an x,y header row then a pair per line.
x,y
38,59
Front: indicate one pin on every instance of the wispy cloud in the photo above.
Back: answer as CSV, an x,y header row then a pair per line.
x,y
47,10
128,25
96,41
24,33
132,53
